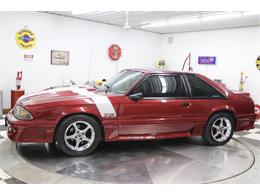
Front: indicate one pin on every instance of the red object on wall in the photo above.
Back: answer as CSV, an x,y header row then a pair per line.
x,y
114,52
15,94
19,79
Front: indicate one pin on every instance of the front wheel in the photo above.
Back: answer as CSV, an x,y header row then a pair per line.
x,y
219,129
78,135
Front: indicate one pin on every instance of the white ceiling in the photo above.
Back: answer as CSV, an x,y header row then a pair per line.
x,y
139,18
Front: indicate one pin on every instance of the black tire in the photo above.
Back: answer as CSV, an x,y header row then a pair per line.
x,y
209,130
65,124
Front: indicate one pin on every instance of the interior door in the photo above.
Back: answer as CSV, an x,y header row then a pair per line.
x,y
164,108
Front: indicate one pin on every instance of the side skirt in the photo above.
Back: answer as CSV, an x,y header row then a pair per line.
x,y
150,137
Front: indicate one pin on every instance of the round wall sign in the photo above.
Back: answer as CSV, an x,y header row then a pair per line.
x,y
114,52
161,63
25,39
258,63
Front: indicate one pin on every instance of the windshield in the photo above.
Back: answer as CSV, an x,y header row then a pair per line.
x,y
121,82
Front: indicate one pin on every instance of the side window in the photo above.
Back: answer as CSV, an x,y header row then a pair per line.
x,y
163,86
201,89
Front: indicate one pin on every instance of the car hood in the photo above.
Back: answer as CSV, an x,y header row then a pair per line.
x,y
57,95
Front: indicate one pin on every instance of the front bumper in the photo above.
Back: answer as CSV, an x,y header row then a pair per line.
x,y
29,131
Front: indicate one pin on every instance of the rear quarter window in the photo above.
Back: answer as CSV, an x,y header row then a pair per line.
x,y
202,89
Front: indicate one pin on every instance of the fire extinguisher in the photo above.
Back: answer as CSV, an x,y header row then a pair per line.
x,y
19,79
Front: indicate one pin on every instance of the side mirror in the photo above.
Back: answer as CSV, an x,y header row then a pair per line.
x,y
136,96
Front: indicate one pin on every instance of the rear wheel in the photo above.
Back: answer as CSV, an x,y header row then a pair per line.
x,y
219,129
78,135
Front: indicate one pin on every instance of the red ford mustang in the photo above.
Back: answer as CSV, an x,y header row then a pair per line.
x,y
136,104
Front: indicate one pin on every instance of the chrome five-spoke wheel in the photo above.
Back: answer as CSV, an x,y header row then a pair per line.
x,y
221,129
79,136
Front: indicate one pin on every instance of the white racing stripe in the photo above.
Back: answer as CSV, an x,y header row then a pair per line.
x,y
104,106
45,92
102,102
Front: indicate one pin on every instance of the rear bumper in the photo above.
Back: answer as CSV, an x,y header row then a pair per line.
x,y
245,122
29,131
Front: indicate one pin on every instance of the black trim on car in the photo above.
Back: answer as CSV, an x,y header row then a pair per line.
x,y
187,84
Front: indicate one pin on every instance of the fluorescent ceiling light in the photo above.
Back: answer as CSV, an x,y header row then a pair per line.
x,y
251,13
172,22
184,21
127,26
221,16
80,12
190,20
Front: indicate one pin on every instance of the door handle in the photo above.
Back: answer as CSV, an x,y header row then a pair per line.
x,y
185,104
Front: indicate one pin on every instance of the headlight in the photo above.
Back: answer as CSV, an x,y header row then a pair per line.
x,y
21,113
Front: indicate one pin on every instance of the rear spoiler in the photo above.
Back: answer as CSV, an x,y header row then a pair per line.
x,y
241,93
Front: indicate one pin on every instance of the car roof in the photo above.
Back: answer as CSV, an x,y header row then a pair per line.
x,y
151,71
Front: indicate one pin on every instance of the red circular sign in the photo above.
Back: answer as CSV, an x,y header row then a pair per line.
x,y
114,52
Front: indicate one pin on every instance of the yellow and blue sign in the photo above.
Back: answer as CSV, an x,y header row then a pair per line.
x,y
25,39
258,63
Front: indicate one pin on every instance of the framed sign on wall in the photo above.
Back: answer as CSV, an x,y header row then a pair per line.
x,y
59,57
207,60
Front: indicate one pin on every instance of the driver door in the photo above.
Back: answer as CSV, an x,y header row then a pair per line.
x,y
164,107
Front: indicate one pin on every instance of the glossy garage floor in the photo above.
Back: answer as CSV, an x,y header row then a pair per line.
x,y
170,161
